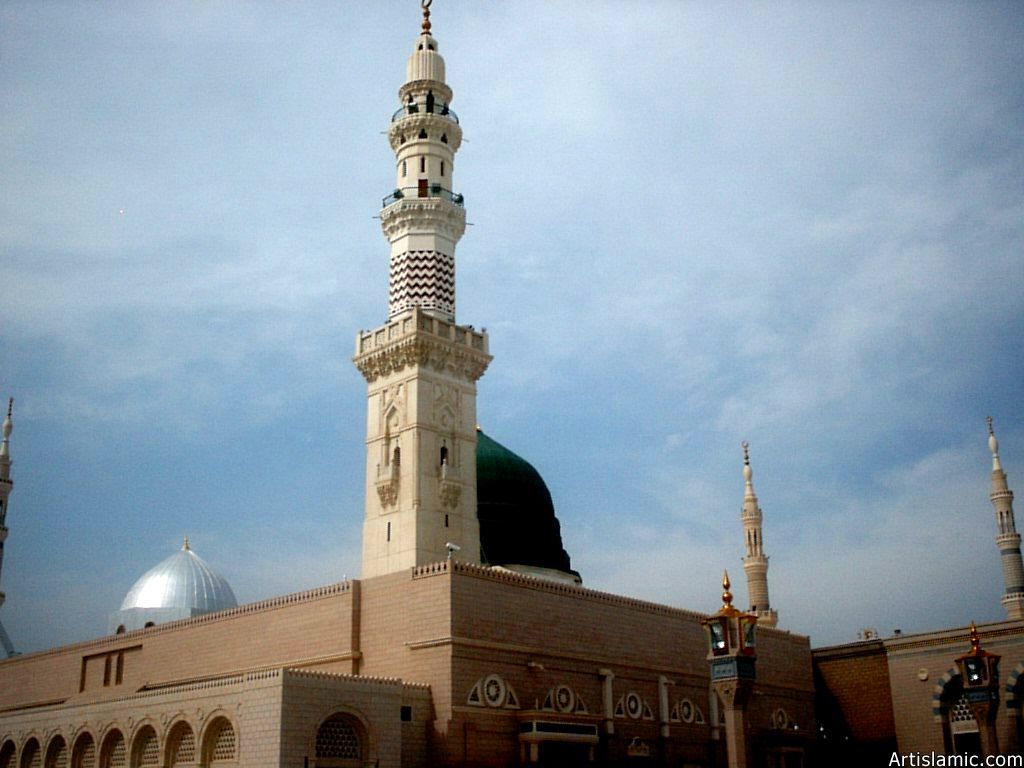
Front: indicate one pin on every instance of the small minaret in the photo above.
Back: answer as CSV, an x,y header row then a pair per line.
x,y
6,484
756,561
421,367
1007,538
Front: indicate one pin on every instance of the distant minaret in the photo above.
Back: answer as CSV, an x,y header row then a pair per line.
x,y
1008,539
421,367
756,561
5,492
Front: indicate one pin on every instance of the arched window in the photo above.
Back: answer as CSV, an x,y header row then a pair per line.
x,y
113,753
7,754
145,748
57,753
960,727
444,455
181,745
423,133
405,168
30,757
338,743
219,745
84,753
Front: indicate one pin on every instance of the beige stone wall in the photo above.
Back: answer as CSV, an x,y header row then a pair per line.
x,y
934,654
312,628
467,632
250,703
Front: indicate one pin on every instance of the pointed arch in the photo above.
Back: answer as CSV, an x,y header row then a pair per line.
x,y
220,742
145,751
56,753
31,756
341,741
83,754
180,746
113,752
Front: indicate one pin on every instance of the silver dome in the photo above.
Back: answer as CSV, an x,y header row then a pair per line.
x,y
184,582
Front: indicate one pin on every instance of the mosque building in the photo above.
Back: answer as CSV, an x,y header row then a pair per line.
x,y
469,639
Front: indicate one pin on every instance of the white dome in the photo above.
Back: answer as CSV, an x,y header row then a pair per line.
x,y
184,582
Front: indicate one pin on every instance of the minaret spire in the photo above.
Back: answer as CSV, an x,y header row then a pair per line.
x,y
756,561
425,4
421,367
1007,537
6,484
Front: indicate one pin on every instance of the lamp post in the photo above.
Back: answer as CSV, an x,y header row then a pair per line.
x,y
979,671
732,653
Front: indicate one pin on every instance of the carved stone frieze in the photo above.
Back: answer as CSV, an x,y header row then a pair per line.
x,y
434,123
438,354
450,493
432,214
387,490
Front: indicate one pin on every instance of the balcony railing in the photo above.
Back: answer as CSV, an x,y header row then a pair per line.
x,y
428,107
429,190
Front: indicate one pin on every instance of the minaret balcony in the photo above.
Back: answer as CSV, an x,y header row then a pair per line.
x,y
424,190
425,109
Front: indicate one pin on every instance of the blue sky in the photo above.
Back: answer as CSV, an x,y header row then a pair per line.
x,y
693,224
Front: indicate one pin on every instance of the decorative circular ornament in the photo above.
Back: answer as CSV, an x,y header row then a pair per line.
x,y
780,719
686,710
634,705
922,674
565,699
494,691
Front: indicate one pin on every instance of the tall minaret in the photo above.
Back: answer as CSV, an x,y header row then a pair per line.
x,y
421,367
5,492
756,561
1008,539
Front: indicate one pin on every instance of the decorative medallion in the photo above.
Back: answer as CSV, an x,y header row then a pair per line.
x,y
492,691
633,706
780,719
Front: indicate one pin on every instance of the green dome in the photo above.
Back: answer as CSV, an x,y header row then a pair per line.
x,y
517,519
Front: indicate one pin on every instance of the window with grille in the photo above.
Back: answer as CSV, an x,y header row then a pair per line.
x,y
961,719
30,757
337,740
57,755
223,744
183,745
147,751
85,753
114,753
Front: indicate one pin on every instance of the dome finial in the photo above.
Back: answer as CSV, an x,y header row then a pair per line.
x,y
425,4
993,446
5,451
748,473
185,546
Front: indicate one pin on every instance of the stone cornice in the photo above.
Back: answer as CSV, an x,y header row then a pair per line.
x,y
433,123
422,349
428,215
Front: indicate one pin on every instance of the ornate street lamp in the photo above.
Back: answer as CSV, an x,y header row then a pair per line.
x,y
979,671
732,652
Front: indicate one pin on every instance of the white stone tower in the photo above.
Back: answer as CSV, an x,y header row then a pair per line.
x,y
421,367
1007,538
756,561
6,484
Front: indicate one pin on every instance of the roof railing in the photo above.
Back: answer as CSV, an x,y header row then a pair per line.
x,y
425,191
426,107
